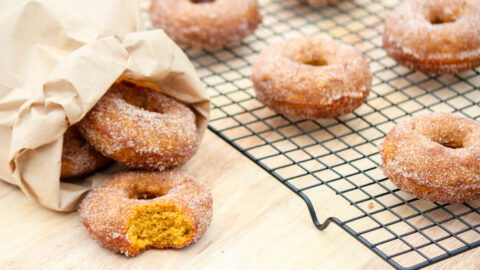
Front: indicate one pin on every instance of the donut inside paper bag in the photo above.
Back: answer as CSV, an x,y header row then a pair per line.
x,y
59,57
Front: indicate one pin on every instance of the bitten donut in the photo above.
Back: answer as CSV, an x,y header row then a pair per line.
x,y
78,156
311,77
206,23
436,36
436,157
141,128
318,3
134,211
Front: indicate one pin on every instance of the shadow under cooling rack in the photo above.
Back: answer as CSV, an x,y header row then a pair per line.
x,y
339,157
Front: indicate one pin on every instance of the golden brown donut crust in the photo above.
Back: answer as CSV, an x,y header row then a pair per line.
x,y
206,24
290,77
141,128
78,156
436,157
436,36
109,211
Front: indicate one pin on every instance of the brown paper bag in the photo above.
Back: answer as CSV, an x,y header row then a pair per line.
x,y
58,57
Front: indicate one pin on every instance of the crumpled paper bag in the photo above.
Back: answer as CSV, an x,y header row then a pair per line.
x,y
58,57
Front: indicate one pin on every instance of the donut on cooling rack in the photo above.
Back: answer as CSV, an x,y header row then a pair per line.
x,y
311,77
436,157
141,128
206,23
78,156
436,36
136,210
318,3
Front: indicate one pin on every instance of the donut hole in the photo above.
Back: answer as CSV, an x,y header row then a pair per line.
x,y
454,144
448,140
201,1
141,97
159,226
317,62
146,195
143,103
439,18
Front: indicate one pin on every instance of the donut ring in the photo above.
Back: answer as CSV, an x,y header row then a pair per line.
x,y
319,3
134,211
204,23
311,77
78,156
435,157
141,128
435,36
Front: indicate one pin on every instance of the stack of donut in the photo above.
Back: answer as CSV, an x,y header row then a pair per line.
x,y
134,125
133,211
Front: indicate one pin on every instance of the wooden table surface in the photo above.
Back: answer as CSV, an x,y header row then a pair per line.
x,y
257,224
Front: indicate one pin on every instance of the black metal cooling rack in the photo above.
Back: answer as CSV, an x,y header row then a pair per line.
x,y
340,155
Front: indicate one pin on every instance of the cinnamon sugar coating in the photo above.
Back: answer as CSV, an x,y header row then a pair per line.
x,y
206,24
134,211
311,77
436,157
141,128
78,156
436,36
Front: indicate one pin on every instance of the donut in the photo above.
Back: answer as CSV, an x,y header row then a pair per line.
x,y
435,157
434,36
78,156
311,77
206,23
134,211
141,128
318,3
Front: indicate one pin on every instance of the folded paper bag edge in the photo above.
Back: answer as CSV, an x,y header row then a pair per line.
x,y
66,201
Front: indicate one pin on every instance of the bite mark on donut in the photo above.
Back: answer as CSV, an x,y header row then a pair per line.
x,y
158,226
134,211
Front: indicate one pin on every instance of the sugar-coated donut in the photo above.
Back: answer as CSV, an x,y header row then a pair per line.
x,y
436,36
311,77
141,128
78,156
436,157
318,3
206,23
134,211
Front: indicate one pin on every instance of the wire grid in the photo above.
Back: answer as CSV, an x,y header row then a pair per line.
x,y
341,154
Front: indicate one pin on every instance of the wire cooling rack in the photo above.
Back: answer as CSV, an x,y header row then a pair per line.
x,y
340,155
